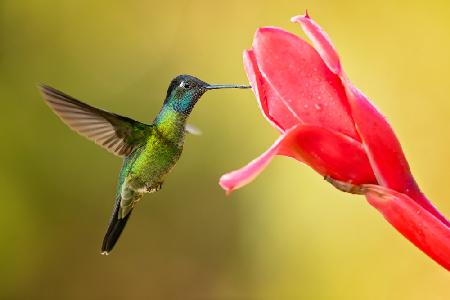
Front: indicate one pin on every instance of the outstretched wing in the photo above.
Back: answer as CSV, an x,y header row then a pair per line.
x,y
117,134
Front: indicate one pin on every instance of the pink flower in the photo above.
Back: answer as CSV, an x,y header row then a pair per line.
x,y
328,124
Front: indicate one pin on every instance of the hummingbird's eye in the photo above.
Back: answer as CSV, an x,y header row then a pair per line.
x,y
185,85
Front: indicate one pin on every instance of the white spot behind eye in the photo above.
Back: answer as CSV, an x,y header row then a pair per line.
x,y
185,85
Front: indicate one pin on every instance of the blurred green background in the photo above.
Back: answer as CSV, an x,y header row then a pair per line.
x,y
288,235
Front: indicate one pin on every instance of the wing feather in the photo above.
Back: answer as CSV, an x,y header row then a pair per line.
x,y
117,134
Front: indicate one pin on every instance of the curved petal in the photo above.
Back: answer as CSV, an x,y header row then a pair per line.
x,y
239,178
321,42
265,94
305,85
414,222
327,152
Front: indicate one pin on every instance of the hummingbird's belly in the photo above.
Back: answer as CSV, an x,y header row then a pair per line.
x,y
152,165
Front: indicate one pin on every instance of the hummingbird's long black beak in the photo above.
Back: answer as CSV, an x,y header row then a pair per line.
x,y
226,86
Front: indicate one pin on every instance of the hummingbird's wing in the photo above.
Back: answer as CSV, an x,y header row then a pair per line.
x,y
119,135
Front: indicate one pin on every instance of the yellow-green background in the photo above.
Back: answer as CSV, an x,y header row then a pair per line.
x,y
288,235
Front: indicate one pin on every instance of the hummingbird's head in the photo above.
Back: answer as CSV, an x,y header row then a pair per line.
x,y
185,90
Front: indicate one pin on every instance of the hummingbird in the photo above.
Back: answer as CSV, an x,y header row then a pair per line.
x,y
149,151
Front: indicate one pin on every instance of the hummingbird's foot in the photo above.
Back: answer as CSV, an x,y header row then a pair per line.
x,y
155,188
347,187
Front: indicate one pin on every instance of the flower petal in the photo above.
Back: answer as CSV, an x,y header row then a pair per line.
x,y
383,148
305,85
414,222
265,94
237,179
328,152
321,42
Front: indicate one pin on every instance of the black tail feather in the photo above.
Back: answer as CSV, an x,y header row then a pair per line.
x,y
115,229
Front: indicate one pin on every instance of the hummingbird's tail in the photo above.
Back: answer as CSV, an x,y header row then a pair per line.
x,y
115,229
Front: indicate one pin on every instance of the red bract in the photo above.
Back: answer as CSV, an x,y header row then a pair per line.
x,y
328,124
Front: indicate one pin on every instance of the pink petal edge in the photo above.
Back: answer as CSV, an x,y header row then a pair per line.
x,y
321,41
238,178
264,93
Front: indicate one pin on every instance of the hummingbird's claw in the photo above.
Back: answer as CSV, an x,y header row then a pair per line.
x,y
155,188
